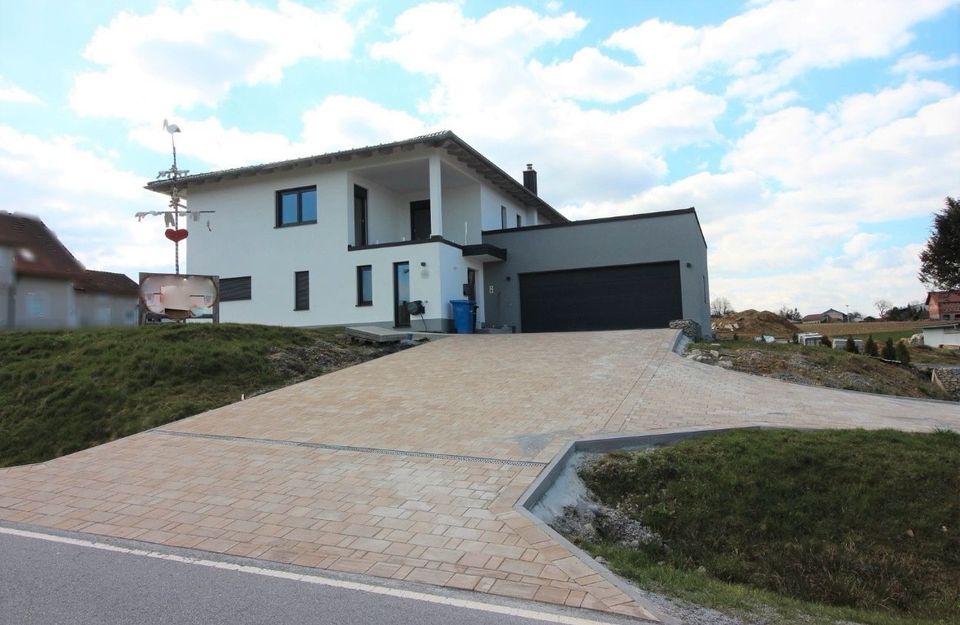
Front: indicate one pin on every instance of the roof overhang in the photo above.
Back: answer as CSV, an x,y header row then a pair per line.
x,y
446,140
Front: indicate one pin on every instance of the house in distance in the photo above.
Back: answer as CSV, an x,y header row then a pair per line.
x,y
353,237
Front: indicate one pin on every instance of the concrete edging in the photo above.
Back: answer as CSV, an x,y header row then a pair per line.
x,y
601,444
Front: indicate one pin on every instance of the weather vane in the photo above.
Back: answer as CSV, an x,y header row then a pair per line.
x,y
171,217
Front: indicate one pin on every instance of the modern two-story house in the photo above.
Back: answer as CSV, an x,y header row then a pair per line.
x,y
352,237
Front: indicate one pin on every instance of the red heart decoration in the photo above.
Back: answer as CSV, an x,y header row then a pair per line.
x,y
176,235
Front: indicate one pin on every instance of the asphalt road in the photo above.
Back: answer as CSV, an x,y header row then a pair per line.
x,y
44,582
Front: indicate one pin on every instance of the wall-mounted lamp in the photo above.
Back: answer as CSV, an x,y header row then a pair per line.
x,y
689,265
423,263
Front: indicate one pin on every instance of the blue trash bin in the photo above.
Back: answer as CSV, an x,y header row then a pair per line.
x,y
462,315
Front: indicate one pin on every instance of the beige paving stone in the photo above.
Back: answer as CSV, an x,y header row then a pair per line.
x,y
435,520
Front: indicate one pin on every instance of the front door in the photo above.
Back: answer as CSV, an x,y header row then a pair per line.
x,y
401,294
420,220
470,288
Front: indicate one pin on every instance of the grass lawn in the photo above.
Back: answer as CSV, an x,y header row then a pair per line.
x,y
796,526
64,391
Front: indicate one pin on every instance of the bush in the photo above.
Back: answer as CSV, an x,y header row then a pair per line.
x,y
870,347
825,340
889,351
794,339
903,354
851,346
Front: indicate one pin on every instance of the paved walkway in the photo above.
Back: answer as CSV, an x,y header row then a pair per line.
x,y
408,467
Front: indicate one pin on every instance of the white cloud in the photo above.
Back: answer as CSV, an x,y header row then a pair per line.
x,y
85,199
10,92
769,45
154,65
916,63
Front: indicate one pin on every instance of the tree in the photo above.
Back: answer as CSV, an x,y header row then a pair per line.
x,y
851,346
903,354
882,306
870,347
720,306
825,341
790,314
940,259
889,352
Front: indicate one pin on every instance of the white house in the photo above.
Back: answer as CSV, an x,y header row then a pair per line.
x,y
351,237
942,336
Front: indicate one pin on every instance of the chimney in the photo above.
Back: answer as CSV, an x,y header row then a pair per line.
x,y
530,178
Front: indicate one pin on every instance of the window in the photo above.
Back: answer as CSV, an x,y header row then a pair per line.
x,y
297,206
519,221
503,217
365,285
38,304
301,287
234,289
360,215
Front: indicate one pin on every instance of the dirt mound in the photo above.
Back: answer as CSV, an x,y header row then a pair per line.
x,y
750,323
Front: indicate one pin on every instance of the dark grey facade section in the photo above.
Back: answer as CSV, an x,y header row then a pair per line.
x,y
671,236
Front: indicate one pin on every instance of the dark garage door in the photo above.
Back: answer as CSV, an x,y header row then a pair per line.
x,y
601,298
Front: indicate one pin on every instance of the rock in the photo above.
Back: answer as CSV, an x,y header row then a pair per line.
x,y
601,560
690,328
916,339
726,364
715,353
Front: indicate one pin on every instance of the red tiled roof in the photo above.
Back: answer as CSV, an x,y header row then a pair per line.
x,y
942,297
105,282
37,250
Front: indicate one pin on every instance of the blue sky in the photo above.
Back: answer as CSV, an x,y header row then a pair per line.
x,y
815,138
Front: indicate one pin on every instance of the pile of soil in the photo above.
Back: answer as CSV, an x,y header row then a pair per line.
x,y
750,323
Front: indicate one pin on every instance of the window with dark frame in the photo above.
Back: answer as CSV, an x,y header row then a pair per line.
x,y
361,230
519,221
301,288
235,289
503,217
296,206
365,285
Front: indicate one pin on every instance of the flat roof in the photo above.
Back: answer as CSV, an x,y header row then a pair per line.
x,y
445,139
603,220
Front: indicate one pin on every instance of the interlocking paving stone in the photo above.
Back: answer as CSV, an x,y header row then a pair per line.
x,y
395,468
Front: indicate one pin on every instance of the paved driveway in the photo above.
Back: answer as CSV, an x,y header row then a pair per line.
x,y
408,467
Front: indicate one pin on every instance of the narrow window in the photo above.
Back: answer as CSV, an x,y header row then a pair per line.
x,y
519,221
297,206
503,217
301,287
361,231
365,285
234,289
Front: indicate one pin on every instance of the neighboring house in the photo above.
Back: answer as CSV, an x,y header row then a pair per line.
x,y
351,237
944,305
827,316
42,285
942,336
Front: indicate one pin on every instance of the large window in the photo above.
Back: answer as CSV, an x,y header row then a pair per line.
x,y
365,285
503,217
361,229
297,206
234,289
301,287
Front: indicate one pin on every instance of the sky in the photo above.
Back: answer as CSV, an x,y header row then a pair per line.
x,y
815,138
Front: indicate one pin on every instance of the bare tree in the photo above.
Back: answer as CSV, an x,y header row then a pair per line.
x,y
791,314
720,306
882,306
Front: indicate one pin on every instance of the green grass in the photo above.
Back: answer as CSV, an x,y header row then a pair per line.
x,y
848,520
65,391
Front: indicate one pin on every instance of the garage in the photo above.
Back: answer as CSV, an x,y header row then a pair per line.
x,y
620,297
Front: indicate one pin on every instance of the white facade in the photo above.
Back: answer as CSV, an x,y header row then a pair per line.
x,y
243,239
948,336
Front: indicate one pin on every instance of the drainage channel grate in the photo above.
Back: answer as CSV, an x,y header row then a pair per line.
x,y
365,450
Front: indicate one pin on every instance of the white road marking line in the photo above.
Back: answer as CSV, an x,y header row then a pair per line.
x,y
314,579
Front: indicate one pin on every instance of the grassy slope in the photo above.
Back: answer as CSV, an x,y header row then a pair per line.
x,y
811,516
65,391
835,368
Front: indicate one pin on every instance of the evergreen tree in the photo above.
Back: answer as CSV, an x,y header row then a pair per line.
x,y
851,346
940,259
903,354
870,347
825,340
889,352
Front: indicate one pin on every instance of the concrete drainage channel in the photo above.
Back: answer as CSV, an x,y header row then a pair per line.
x,y
559,486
